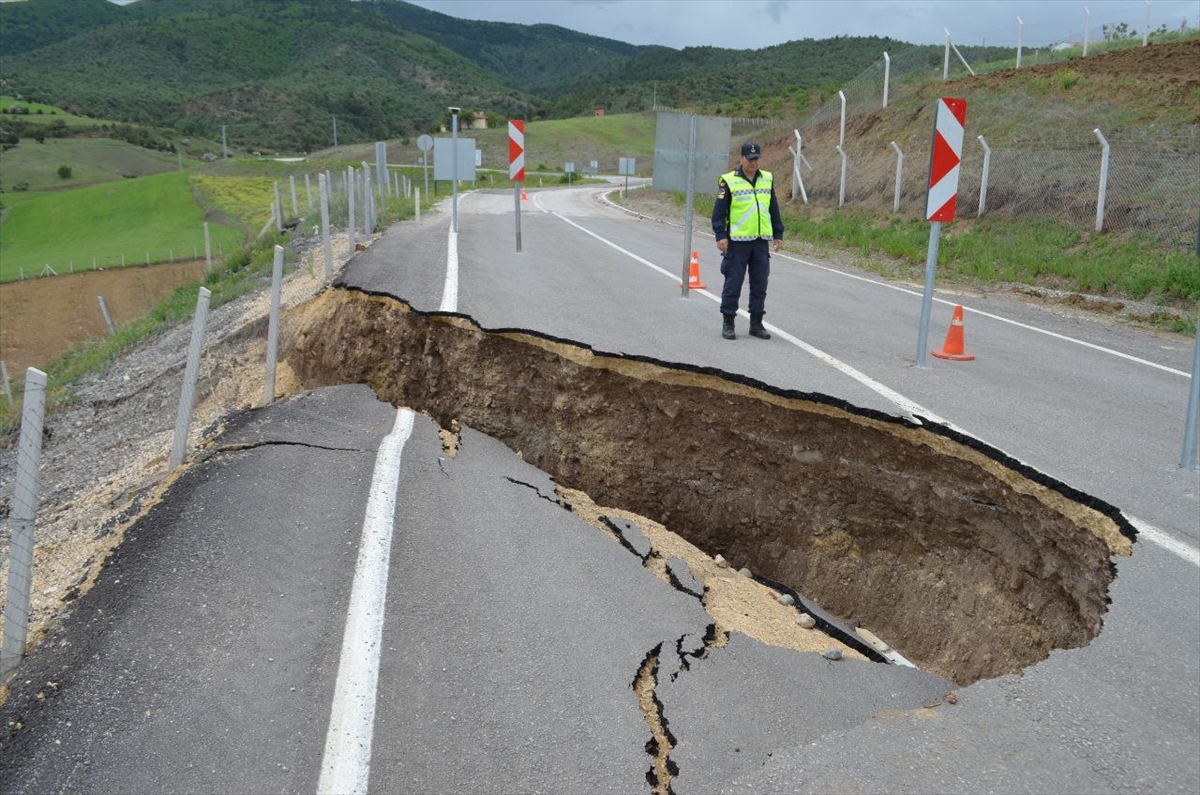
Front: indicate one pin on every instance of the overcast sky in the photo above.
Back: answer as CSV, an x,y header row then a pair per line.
x,y
753,24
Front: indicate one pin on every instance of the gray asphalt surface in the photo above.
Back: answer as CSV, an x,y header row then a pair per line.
x,y
513,631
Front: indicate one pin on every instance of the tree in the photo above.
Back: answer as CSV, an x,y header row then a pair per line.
x,y
64,172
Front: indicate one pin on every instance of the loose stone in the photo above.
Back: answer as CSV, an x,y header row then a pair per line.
x,y
832,654
744,572
806,621
721,562
786,599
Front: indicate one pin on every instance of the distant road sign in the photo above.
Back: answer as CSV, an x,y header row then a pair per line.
x,y
516,150
946,159
425,143
627,165
569,167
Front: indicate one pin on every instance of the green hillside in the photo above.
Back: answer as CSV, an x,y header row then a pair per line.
x,y
107,221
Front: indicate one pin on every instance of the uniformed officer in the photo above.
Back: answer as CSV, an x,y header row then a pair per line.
x,y
745,219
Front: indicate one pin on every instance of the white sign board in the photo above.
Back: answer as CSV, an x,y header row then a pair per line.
x,y
710,160
627,165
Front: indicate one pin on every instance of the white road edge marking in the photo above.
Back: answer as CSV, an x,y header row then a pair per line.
x,y
945,301
911,407
1145,530
346,765
450,288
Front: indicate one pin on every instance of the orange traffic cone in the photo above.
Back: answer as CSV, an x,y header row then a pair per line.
x,y
952,348
694,273
524,194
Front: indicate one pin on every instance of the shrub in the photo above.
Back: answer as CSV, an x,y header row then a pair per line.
x,y
64,172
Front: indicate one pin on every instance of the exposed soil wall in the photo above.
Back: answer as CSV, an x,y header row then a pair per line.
x,y
969,564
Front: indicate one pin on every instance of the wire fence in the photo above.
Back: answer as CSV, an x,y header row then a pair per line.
x,y
1044,162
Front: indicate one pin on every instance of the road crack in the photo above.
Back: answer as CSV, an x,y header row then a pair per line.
x,y
661,742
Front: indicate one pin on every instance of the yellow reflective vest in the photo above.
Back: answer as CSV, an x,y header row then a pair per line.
x,y
749,206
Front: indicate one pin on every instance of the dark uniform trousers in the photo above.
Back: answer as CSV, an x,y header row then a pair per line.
x,y
754,255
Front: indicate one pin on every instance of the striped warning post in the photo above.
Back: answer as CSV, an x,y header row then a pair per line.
x,y
948,124
516,150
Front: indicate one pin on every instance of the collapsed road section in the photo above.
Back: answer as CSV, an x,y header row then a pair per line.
x,y
969,563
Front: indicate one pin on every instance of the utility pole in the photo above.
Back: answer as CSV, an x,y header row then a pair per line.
x,y
334,129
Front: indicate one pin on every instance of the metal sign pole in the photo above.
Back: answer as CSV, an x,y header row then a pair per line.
x,y
687,224
517,212
935,236
454,172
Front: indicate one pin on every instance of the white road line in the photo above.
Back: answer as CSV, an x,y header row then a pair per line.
x,y
991,316
1146,531
346,765
911,407
948,302
450,288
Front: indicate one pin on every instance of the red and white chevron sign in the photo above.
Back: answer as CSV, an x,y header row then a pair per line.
x,y
516,150
948,125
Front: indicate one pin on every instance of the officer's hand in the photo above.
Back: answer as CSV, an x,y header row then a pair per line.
x,y
723,245
778,244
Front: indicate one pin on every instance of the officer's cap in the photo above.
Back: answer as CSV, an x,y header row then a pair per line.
x,y
751,151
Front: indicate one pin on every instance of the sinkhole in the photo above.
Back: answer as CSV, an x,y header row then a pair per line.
x,y
968,562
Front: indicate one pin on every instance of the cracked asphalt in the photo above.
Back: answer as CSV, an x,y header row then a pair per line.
x,y
205,657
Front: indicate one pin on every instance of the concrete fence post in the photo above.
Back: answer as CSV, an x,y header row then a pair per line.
x,y
899,174
295,206
1100,197
350,191
417,202
842,188
24,507
112,331
983,181
278,210
6,382
323,183
184,418
273,324
308,190
207,248
887,74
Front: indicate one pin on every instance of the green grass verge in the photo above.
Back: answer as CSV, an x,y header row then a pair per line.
x,y
156,216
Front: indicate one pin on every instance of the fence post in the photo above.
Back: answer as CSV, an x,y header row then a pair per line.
x,y
350,191
24,507
277,209
842,189
112,331
323,184
1103,179
842,133
1146,29
7,383
1020,39
899,173
308,190
184,418
1087,29
987,162
295,206
207,248
1188,459
273,324
797,159
887,76
946,60
417,203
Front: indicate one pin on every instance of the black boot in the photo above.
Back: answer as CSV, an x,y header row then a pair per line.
x,y
756,328
727,328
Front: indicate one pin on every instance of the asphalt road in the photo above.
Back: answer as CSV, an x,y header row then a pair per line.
x,y
207,658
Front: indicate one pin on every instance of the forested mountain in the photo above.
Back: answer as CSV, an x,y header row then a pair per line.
x,y
273,72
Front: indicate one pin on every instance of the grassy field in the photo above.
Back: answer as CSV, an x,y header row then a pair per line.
x,y
91,160
48,113
156,215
